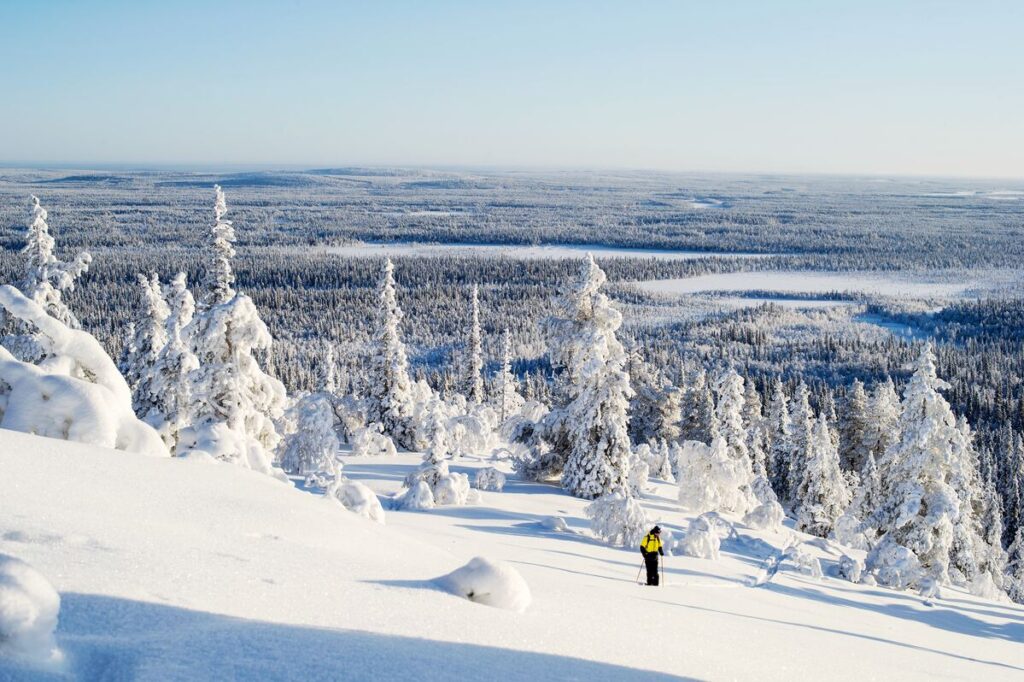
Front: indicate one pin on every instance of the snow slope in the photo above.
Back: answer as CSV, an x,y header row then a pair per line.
x,y
185,569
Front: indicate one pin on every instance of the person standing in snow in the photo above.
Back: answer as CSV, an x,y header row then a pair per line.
x,y
651,548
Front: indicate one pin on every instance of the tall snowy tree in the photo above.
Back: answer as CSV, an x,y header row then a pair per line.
x,y
233,402
584,335
655,410
853,427
389,399
729,413
754,423
171,384
474,384
698,412
220,274
508,399
882,423
148,338
780,431
822,495
46,279
921,507
803,427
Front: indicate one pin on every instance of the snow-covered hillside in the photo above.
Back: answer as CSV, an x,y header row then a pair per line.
x,y
191,569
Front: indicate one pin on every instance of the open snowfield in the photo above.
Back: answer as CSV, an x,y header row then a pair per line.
x,y
812,282
175,569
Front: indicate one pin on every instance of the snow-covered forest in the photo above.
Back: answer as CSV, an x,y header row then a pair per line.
x,y
152,314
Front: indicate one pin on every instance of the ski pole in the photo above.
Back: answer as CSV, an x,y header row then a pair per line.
x,y
640,571
661,567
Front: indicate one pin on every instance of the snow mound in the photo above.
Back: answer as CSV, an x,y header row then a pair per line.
x,y
488,582
849,568
416,498
76,393
556,524
28,613
894,565
489,479
359,500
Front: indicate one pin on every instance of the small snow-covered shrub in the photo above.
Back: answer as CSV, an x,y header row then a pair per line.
x,y
617,519
847,531
359,500
446,487
983,586
555,524
804,561
488,582
850,568
28,613
417,498
639,473
370,441
894,565
699,542
714,523
489,479
766,516
452,489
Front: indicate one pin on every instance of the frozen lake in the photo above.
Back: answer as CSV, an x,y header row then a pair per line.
x,y
813,282
521,251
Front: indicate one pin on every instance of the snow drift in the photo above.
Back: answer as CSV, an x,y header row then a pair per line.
x,y
489,582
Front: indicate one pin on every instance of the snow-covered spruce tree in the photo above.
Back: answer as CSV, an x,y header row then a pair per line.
x,y
868,497
171,383
508,401
803,426
389,399
853,428
822,496
474,382
698,412
312,448
882,423
597,436
655,410
233,402
712,480
780,440
754,423
148,338
921,506
729,414
46,278
220,274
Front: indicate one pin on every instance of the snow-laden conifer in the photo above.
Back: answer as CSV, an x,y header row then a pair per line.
x,y
822,495
598,455
474,382
921,506
389,399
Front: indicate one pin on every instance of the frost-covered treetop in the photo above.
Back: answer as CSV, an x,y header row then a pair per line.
x,y
220,279
45,276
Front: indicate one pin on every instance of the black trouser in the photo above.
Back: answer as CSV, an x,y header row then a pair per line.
x,y
651,561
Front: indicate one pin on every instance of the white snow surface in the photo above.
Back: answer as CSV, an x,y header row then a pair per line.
x,y
181,569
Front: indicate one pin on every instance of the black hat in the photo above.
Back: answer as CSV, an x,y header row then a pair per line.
x,y
656,529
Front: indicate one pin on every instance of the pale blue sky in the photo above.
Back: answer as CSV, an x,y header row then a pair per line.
x,y
933,88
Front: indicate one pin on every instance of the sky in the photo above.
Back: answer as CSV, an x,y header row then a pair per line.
x,y
824,86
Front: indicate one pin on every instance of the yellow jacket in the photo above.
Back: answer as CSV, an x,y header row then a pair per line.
x,y
650,543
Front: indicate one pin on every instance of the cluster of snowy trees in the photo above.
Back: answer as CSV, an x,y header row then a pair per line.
x,y
902,478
